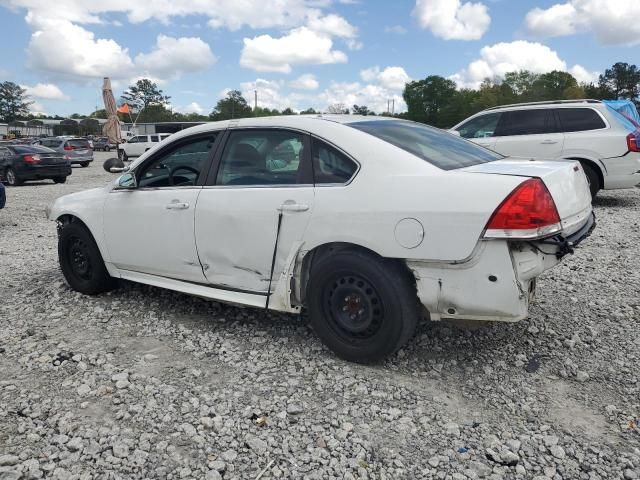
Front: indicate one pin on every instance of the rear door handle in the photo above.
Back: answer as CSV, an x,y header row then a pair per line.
x,y
549,142
293,207
177,206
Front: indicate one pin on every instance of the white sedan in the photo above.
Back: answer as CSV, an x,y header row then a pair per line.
x,y
369,223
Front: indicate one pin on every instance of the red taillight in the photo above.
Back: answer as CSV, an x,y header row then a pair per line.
x,y
68,147
528,212
31,159
632,141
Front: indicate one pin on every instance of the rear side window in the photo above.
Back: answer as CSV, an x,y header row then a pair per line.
x,y
579,119
526,122
480,127
329,165
154,138
441,149
30,149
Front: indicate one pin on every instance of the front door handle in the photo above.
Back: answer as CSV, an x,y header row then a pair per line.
x,y
548,142
293,207
177,206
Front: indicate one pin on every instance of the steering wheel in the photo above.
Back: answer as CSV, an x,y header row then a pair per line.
x,y
181,167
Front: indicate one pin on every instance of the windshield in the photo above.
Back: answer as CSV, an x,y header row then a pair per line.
x,y
441,149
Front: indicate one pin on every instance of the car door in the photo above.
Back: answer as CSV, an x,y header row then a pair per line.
x,y
529,133
135,146
481,129
255,208
150,228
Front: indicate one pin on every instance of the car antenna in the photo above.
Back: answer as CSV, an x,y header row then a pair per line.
x,y
273,260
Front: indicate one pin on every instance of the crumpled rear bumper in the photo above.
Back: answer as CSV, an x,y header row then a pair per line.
x,y
496,283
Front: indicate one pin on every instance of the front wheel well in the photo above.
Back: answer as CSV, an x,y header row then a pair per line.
x,y
65,219
313,255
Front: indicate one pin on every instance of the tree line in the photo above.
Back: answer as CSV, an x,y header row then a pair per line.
x,y
434,100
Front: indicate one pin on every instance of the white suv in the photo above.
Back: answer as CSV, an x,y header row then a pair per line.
x,y
606,143
136,146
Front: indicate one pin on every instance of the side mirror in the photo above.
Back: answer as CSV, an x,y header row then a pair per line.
x,y
126,182
454,132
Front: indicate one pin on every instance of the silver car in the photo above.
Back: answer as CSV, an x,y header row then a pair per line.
x,y
76,150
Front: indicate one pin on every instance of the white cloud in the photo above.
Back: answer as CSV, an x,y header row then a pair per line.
x,y
373,96
60,47
582,75
193,107
332,25
45,90
36,108
173,56
393,78
398,29
220,13
301,46
497,60
453,19
614,22
305,82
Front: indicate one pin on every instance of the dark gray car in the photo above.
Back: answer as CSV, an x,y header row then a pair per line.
x,y
77,150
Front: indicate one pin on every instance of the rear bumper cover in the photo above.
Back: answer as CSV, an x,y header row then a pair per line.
x,y
34,172
497,283
622,172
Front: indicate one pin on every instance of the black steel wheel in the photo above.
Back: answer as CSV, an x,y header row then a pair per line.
x,y
81,261
362,307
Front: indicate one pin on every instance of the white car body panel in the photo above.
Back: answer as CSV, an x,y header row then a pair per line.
x,y
236,231
221,246
151,215
605,148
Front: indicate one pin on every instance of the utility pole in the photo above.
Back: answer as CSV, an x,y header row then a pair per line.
x,y
393,106
255,104
387,105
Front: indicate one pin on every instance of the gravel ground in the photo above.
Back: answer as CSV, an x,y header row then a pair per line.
x,y
147,383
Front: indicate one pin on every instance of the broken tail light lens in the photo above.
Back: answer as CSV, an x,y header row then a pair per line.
x,y
527,213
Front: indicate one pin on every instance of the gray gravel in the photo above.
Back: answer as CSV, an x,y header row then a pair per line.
x,y
147,383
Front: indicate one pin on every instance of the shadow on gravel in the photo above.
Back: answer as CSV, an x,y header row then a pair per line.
x,y
602,201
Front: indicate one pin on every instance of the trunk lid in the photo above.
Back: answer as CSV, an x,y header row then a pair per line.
x,y
52,159
564,179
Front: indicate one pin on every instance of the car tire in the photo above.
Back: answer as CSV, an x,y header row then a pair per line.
x,y
122,155
593,178
60,179
84,164
106,149
81,262
12,178
363,307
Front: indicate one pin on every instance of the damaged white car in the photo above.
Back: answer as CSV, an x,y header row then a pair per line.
x,y
370,224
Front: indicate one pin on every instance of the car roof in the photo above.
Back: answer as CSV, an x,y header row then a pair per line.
x,y
547,104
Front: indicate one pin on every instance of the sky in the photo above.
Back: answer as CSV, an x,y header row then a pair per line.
x,y
299,53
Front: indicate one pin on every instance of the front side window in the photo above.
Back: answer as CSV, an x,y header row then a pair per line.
x,y
134,140
526,122
261,157
579,119
329,165
182,166
154,138
440,149
483,126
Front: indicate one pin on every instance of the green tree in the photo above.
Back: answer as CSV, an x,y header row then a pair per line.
x,y
308,111
621,81
14,102
362,110
520,83
143,94
338,108
233,105
100,113
553,85
265,112
288,111
155,113
426,98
